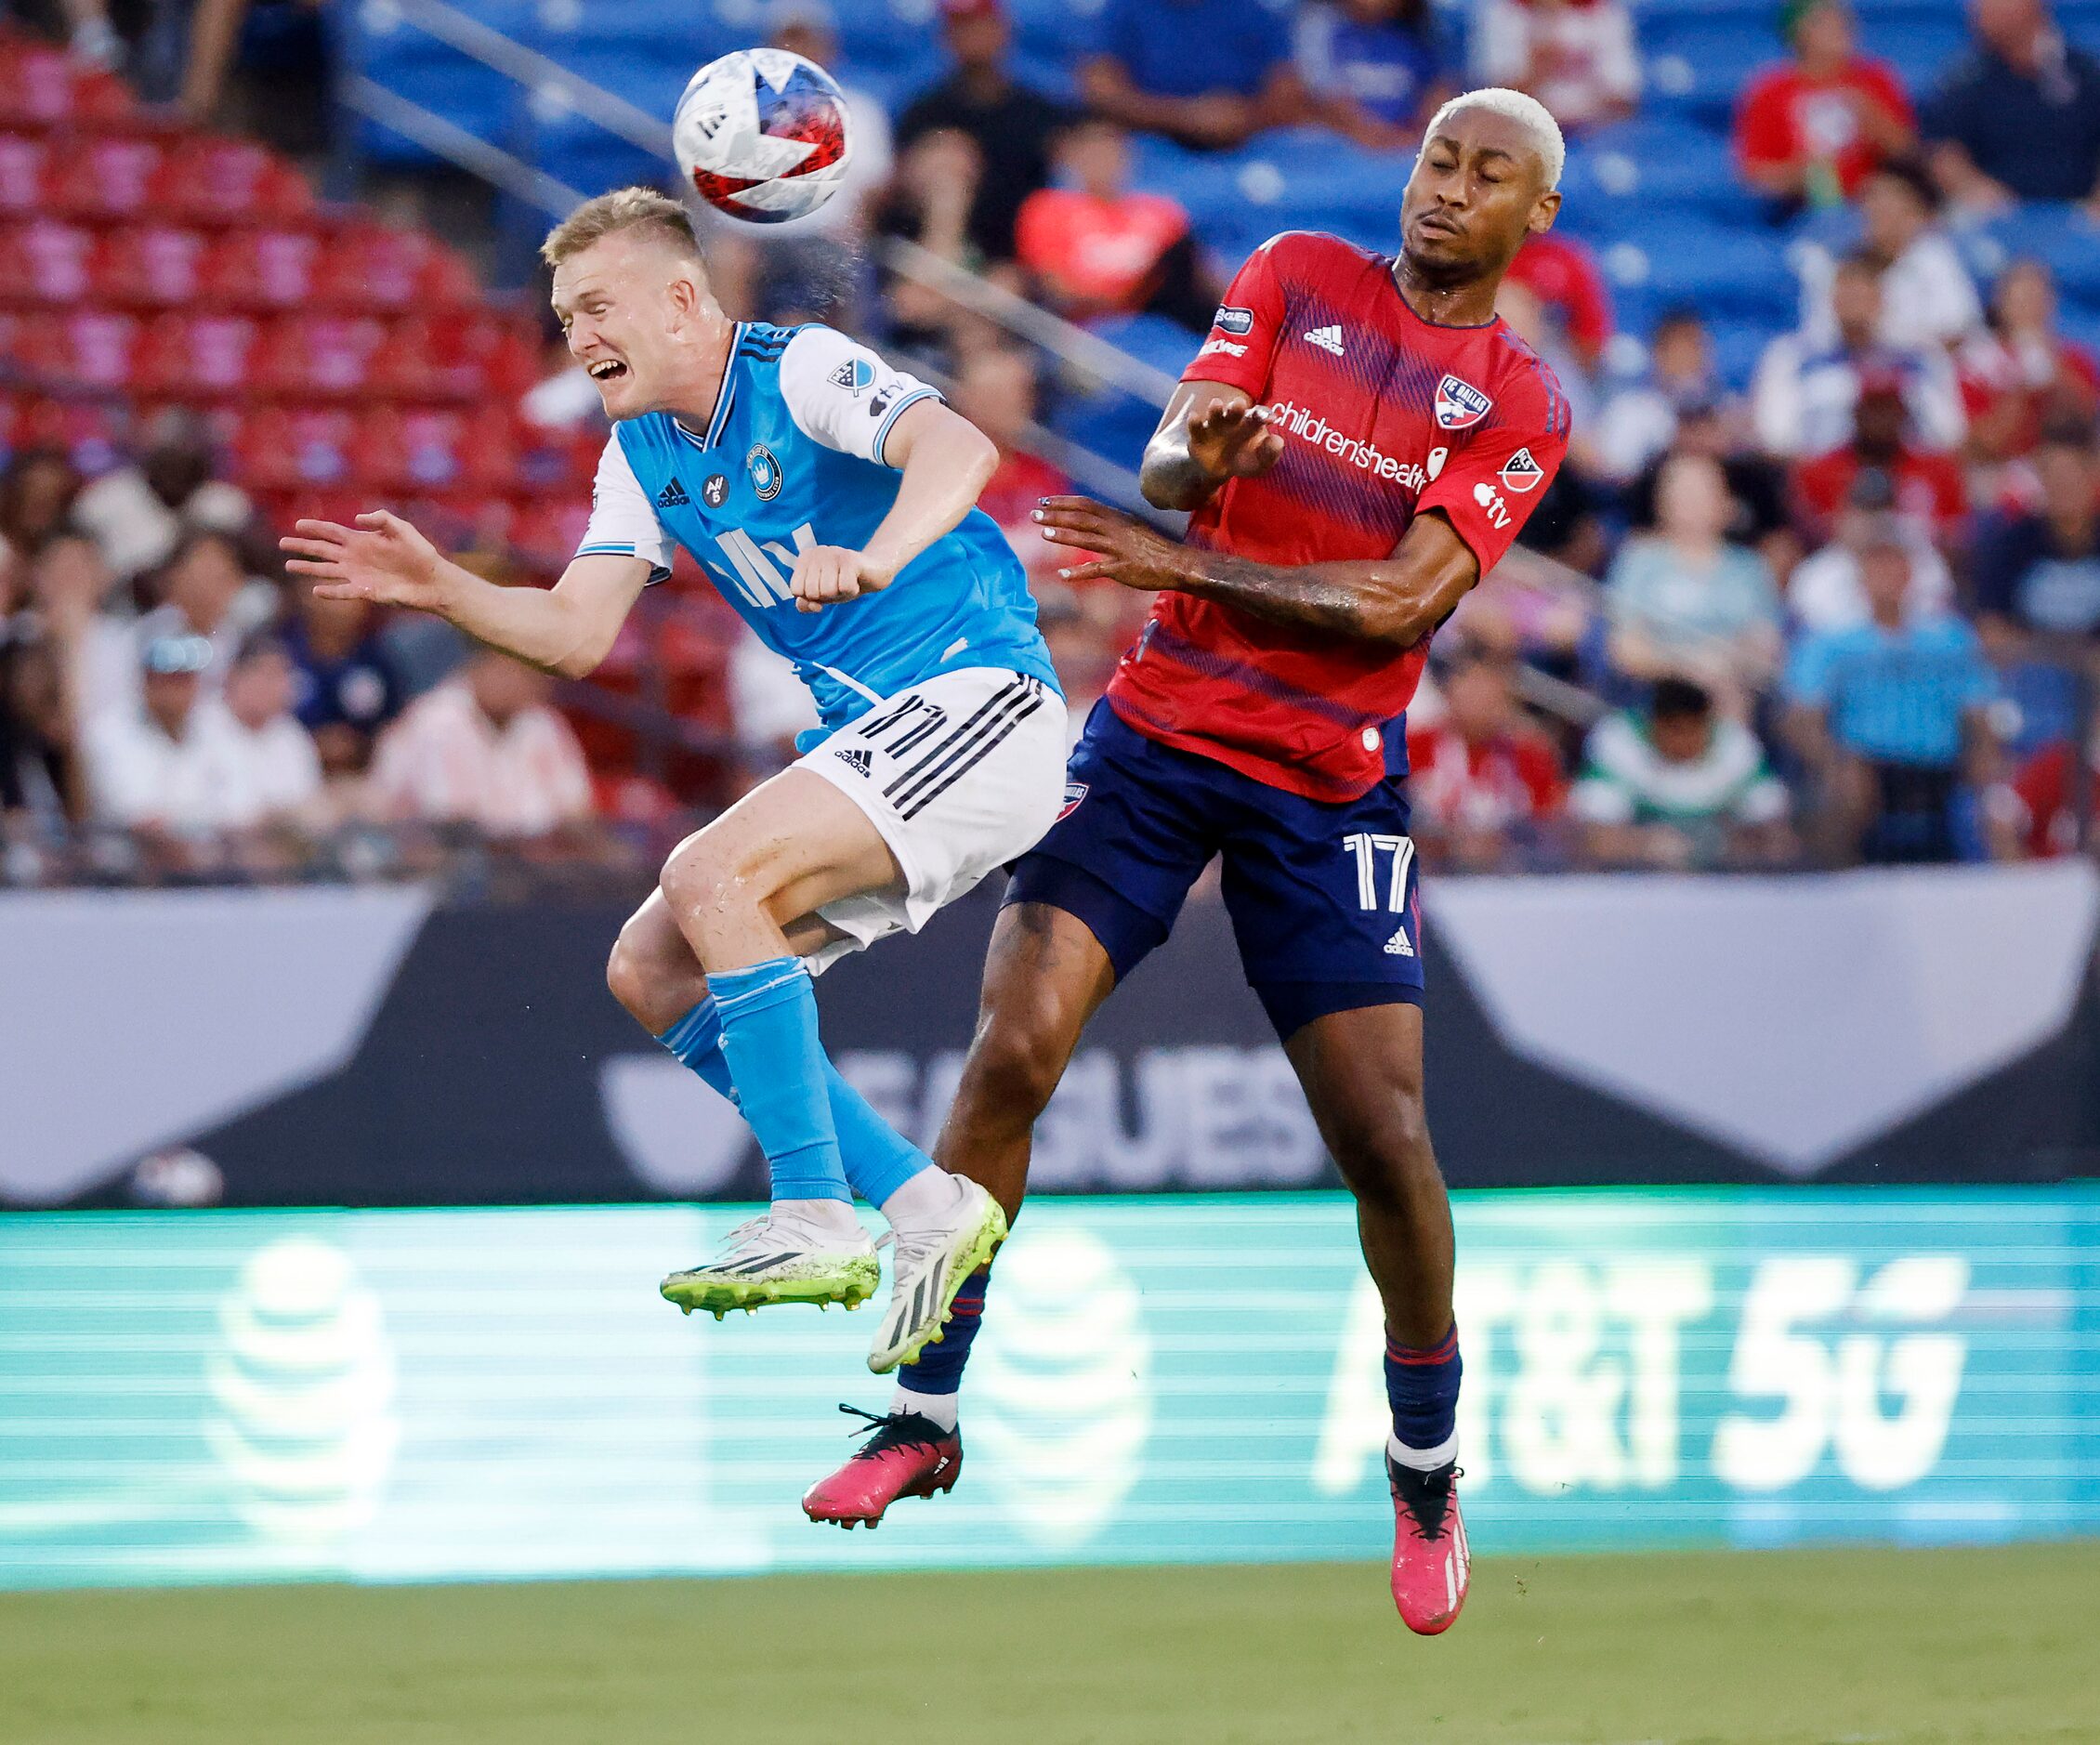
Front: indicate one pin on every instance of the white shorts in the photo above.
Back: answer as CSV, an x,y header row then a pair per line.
x,y
961,775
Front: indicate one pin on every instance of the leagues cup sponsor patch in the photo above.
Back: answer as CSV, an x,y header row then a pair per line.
x,y
1521,473
1460,405
1232,321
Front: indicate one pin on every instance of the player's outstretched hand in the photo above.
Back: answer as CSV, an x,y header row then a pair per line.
x,y
1123,548
382,559
824,575
1231,440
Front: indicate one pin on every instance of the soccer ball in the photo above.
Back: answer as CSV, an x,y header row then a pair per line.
x,y
762,135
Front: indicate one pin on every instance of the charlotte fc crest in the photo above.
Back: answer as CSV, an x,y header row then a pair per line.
x,y
765,472
1460,405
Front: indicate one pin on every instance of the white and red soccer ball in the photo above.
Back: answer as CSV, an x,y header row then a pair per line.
x,y
762,135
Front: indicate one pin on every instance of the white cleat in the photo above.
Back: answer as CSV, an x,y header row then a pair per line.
x,y
932,1260
769,1260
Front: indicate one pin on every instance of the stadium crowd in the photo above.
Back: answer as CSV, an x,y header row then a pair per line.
x,y
1852,613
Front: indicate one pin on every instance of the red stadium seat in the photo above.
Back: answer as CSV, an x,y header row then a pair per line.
x,y
43,88
206,179
318,356
434,451
195,357
148,267
263,269
47,262
105,179
378,266
295,448
549,530
25,162
87,348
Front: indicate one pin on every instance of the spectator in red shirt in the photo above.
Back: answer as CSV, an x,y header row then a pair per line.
x,y
1562,273
1098,249
2020,374
995,389
2035,815
1480,776
1810,130
1928,486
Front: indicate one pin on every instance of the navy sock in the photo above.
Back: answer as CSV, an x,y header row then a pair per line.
x,y
938,1368
769,1017
1421,1386
878,1159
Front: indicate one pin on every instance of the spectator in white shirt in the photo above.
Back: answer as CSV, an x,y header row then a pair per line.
x,y
1828,590
1577,57
1928,300
168,764
278,771
485,749
1808,384
1639,421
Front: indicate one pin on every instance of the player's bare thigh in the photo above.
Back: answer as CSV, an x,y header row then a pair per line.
x,y
787,848
1362,1072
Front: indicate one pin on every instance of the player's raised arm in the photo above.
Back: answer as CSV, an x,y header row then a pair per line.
x,y
1397,599
1211,432
568,629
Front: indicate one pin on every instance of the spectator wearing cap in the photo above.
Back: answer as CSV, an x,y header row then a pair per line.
x,y
166,765
1374,69
1827,590
1927,485
1686,602
1678,784
1811,129
1481,780
276,771
1578,58
2020,374
2018,116
1014,127
1562,273
1639,421
1888,715
204,589
485,749
346,684
1210,74
1808,382
1098,247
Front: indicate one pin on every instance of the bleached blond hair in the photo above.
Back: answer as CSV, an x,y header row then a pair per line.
x,y
1528,112
645,209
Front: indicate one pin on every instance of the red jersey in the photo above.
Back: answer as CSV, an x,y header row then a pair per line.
x,y
1786,116
1383,416
1482,784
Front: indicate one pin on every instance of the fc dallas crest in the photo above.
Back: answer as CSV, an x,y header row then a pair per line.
x,y
1460,405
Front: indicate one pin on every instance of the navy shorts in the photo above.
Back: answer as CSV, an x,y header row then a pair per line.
x,y
1323,897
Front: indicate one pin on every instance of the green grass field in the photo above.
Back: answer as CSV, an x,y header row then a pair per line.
x,y
1994,1647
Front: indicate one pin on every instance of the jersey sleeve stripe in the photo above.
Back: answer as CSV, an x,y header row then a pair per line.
x,y
898,410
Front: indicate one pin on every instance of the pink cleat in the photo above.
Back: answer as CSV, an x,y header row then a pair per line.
x,y
908,1455
1431,1566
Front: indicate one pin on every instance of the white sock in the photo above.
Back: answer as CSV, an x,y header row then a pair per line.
x,y
1422,1460
828,1220
927,1198
943,1409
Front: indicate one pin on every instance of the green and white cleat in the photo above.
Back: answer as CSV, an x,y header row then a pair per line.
x,y
770,1260
932,1260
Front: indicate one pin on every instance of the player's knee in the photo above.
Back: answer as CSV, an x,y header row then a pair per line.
x,y
1384,1151
1016,1064
703,882
626,973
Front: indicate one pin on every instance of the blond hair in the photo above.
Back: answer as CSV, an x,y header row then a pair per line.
x,y
611,214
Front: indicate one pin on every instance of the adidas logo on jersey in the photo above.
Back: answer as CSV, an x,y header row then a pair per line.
x,y
856,758
1399,945
673,496
1325,339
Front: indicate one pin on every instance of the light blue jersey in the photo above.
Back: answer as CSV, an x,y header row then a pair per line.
x,y
794,458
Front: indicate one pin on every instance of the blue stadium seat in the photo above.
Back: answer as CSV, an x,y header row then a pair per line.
x,y
2060,236
1699,66
1682,259
1618,178
393,54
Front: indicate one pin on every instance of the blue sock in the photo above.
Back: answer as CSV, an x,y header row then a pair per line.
x,y
769,1018
938,1368
1421,1386
878,1159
